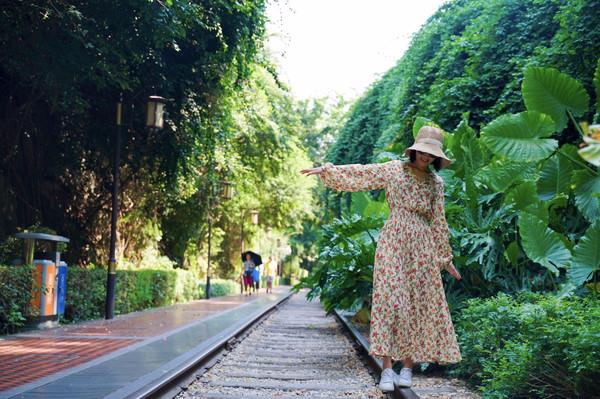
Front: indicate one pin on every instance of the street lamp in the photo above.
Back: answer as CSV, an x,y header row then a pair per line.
x,y
227,194
254,216
154,120
155,111
227,190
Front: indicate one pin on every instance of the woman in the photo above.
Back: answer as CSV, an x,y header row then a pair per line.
x,y
249,267
410,320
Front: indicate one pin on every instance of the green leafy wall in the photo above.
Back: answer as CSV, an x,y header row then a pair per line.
x,y
469,57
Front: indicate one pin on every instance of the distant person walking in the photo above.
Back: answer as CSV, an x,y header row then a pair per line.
x,y
410,319
270,271
249,267
256,279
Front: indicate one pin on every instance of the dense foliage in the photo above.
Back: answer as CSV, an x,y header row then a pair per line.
x,y
58,116
343,275
532,345
86,292
228,118
523,211
521,199
15,297
468,58
516,85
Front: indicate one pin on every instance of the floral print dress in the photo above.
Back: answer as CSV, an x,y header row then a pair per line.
x,y
409,316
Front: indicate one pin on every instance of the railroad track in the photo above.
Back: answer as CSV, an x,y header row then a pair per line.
x,y
294,352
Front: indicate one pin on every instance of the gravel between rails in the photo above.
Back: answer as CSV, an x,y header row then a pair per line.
x,y
297,352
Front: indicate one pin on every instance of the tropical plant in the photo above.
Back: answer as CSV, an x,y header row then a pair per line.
x,y
521,208
343,275
563,176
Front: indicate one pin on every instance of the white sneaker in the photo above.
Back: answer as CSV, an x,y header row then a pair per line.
x,y
386,383
404,379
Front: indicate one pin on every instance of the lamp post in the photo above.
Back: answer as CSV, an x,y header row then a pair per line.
x,y
279,262
227,194
154,120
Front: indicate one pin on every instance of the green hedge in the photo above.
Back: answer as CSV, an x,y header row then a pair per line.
x,y
136,290
220,287
531,346
15,296
86,292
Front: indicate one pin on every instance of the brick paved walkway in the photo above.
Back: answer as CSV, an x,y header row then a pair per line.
x,y
24,360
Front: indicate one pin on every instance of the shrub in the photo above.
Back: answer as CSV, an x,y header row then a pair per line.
x,y
15,297
531,346
343,276
220,287
136,290
86,292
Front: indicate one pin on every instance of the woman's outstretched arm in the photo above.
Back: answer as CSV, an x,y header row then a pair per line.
x,y
354,177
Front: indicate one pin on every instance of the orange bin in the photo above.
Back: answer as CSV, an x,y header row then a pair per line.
x,y
44,289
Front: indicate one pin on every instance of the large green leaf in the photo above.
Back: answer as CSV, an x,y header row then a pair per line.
x,y
587,188
377,209
538,209
520,137
468,151
542,244
512,253
523,195
549,91
555,176
363,204
586,256
500,174
359,202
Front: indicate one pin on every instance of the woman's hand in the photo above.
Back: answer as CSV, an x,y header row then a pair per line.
x,y
312,171
452,270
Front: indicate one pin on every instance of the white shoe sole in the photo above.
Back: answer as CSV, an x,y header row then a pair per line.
x,y
404,384
387,387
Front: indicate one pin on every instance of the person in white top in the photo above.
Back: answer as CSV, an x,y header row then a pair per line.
x,y
270,271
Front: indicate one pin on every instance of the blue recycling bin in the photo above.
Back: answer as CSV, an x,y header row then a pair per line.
x,y
61,295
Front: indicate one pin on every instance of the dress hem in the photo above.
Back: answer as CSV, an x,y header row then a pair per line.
x,y
440,362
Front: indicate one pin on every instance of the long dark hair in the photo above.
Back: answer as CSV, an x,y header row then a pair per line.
x,y
437,162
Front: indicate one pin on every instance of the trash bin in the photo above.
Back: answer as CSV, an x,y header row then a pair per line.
x,y
43,289
61,295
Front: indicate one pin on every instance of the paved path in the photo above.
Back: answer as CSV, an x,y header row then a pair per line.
x,y
124,352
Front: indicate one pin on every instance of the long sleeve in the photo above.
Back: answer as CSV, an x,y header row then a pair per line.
x,y
439,227
357,177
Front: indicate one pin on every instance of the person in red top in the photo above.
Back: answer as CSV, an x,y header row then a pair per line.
x,y
249,267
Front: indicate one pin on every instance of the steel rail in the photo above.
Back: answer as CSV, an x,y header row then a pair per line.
x,y
170,384
375,364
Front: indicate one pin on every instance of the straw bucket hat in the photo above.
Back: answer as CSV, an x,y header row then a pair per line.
x,y
430,140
